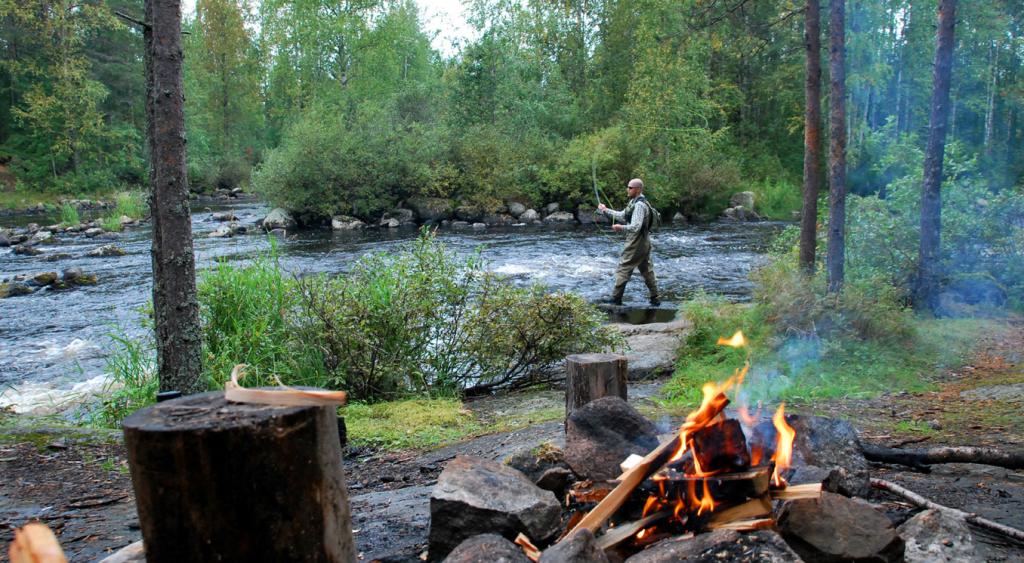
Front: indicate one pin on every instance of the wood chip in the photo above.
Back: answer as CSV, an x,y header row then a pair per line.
x,y
286,396
531,551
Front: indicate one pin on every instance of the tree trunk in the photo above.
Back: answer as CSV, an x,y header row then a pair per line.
x,y
592,376
990,106
812,136
222,481
175,306
837,147
927,290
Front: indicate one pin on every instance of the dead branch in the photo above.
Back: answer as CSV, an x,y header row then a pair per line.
x,y
969,517
959,454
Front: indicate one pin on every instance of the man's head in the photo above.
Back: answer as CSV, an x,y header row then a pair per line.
x,y
635,187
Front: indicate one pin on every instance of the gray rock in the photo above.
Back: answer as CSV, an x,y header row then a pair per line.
x,y
381,514
487,548
934,536
516,209
721,545
57,257
742,199
391,223
108,250
479,226
5,241
431,209
26,249
44,278
559,217
497,219
469,213
581,547
32,228
588,216
346,223
223,231
93,232
551,208
529,216
475,496
71,274
402,216
554,480
835,528
679,219
279,218
40,237
533,462
14,289
602,433
226,216
460,225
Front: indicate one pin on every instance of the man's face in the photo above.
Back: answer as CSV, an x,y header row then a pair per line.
x,y
632,191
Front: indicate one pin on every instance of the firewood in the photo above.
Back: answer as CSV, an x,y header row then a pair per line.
x,y
286,396
957,454
589,491
592,376
35,543
753,508
797,492
721,446
967,516
622,532
746,525
530,550
629,463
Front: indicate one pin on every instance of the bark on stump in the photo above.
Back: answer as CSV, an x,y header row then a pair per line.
x,y
592,376
220,481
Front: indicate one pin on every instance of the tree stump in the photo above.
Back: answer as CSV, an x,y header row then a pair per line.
x,y
220,481
592,376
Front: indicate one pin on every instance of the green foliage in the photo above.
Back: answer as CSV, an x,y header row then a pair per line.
x,y
777,199
69,215
411,423
111,223
131,204
133,382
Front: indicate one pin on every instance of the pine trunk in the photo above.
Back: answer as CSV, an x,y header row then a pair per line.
x,y
812,136
175,306
837,147
927,290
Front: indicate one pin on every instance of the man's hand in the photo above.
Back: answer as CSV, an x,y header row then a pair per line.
x,y
617,227
602,207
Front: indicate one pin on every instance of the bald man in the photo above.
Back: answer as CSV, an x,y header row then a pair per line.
x,y
637,217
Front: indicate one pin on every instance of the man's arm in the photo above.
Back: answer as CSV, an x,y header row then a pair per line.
x,y
640,212
615,215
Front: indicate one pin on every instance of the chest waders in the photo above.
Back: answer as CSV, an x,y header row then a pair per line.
x,y
636,255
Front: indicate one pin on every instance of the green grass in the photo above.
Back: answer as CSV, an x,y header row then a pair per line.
x,y
112,223
69,215
776,199
132,204
413,423
913,427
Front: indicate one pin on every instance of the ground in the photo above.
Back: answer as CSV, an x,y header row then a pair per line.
x,y
78,483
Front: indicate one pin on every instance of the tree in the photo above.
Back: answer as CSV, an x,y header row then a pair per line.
x,y
812,136
927,287
175,304
837,146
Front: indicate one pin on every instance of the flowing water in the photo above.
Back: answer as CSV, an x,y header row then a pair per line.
x,y
58,340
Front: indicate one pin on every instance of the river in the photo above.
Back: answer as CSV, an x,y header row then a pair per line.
x,y
58,340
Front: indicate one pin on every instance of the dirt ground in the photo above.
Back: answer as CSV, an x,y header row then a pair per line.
x,y
78,485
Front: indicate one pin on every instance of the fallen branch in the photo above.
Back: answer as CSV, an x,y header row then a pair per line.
x,y
969,517
948,454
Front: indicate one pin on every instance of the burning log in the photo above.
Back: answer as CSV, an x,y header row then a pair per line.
x,y
627,530
216,480
961,454
721,447
592,376
925,503
753,508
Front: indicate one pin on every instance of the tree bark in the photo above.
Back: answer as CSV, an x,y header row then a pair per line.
x,y
175,305
927,290
222,481
592,376
837,147
812,136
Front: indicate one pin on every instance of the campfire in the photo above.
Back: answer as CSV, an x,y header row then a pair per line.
x,y
710,475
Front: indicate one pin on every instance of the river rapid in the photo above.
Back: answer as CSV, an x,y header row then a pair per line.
x,y
54,344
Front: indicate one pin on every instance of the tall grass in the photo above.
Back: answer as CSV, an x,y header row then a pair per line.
x,y
133,380
131,204
69,215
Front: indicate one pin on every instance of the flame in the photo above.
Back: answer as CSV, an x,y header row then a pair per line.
x,y
706,502
712,404
784,446
737,340
640,535
652,502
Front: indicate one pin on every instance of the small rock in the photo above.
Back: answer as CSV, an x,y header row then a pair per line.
x,y
56,257
223,231
479,226
93,232
551,208
45,278
107,250
602,433
487,548
835,528
346,223
559,217
27,250
516,209
679,219
279,218
4,240
529,216
226,216
14,289
71,274
581,547
721,545
933,536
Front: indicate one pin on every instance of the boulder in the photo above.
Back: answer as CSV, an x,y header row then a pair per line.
x,y
279,218
223,231
721,545
32,228
559,217
44,278
516,209
346,223
108,250
602,433
469,213
479,226
588,216
398,217
487,548
93,232
581,547
679,219
460,225
935,536
550,208
26,249
529,216
742,199
14,289
431,209
5,241
475,496
391,223
835,528
40,237
493,219
226,216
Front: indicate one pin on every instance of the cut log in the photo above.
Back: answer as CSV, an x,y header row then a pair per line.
x,y
222,481
626,530
746,525
753,508
969,517
592,376
949,454
721,446
797,492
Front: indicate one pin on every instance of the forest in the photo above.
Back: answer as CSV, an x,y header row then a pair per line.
x,y
702,98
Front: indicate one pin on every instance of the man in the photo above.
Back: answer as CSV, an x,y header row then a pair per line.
x,y
637,217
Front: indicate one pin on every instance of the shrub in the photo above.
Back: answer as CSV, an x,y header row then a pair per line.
x,y
131,204
111,223
69,215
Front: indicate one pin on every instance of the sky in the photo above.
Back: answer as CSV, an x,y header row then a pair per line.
x,y
442,16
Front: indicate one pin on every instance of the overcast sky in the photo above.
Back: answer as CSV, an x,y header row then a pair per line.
x,y
443,16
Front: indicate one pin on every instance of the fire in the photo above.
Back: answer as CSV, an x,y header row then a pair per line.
x,y
784,446
737,340
706,502
652,502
